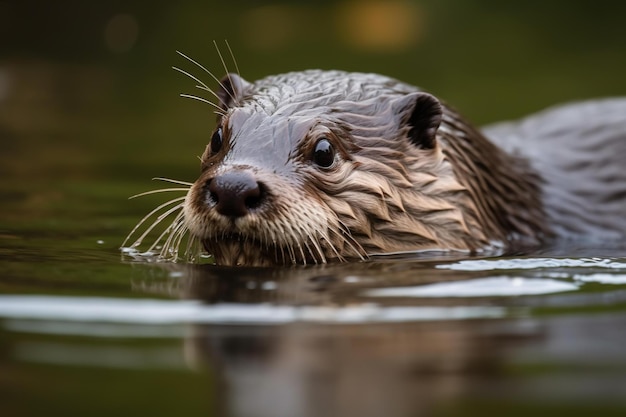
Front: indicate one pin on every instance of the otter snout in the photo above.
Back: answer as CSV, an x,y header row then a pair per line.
x,y
234,193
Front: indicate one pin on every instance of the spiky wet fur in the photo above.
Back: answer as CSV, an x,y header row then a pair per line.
x,y
384,194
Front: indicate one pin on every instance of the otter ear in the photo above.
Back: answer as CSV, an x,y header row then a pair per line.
x,y
232,88
422,112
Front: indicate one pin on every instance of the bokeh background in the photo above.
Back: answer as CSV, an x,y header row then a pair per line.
x,y
87,89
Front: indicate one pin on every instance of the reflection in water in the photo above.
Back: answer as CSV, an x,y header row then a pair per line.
x,y
310,368
396,369
421,337
315,370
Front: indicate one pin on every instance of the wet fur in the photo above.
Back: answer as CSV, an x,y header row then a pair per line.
x,y
580,151
410,174
396,187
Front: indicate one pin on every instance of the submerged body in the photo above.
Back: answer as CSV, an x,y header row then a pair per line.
x,y
316,166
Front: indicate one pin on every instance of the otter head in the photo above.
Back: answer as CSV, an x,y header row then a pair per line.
x,y
315,166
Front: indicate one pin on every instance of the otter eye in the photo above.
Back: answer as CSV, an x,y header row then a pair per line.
x,y
324,153
216,141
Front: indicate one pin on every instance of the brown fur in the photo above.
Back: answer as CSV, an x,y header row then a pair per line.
x,y
406,177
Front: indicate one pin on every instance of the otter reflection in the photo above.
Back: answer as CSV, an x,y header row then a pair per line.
x,y
317,368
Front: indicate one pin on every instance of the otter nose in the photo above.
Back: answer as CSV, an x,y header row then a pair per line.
x,y
235,193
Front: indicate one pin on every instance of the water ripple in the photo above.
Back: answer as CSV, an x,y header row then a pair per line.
x,y
483,287
532,263
119,310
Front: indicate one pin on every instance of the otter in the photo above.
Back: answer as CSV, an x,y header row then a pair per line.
x,y
319,166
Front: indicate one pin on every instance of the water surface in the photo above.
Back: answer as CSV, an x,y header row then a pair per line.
x,y
441,336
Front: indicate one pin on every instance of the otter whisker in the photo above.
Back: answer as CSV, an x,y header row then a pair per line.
x,y
175,227
332,247
181,234
208,72
157,222
189,245
146,217
318,249
160,190
172,244
166,231
292,255
172,181
271,243
232,56
202,85
191,251
230,79
301,253
170,249
347,238
203,100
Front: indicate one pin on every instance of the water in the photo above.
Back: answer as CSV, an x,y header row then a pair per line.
x,y
89,113
420,335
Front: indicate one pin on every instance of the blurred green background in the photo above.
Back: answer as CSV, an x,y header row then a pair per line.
x,y
87,89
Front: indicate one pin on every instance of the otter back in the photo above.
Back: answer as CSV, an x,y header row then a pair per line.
x,y
579,150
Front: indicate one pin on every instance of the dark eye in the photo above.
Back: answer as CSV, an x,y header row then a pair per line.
x,y
324,153
216,141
